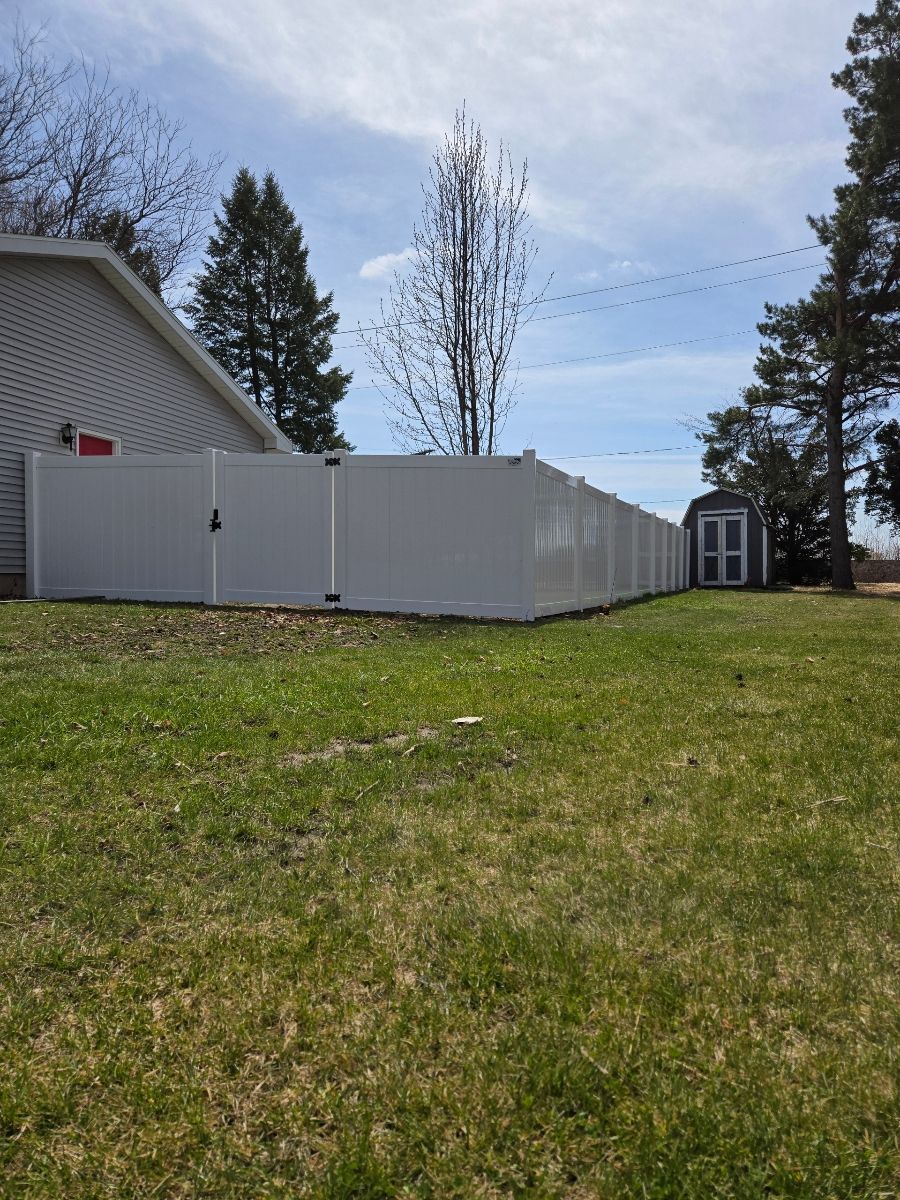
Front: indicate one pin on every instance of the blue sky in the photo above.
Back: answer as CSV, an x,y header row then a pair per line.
x,y
661,137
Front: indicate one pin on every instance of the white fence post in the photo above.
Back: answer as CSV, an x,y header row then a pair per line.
x,y
611,544
635,549
212,473
652,554
676,575
686,558
529,532
220,540
32,567
579,542
666,581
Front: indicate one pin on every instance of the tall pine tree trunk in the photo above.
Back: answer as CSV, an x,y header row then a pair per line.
x,y
841,570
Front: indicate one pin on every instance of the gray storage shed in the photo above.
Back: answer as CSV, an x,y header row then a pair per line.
x,y
732,543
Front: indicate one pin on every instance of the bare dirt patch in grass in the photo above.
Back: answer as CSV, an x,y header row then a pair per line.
x,y
340,747
165,631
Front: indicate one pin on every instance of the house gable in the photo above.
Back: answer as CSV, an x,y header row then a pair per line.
x,y
74,348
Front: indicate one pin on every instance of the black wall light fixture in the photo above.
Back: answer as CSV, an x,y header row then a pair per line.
x,y
67,434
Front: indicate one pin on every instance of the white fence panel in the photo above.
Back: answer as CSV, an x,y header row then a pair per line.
x,y
624,581
495,537
275,542
555,551
645,554
660,543
435,535
598,544
135,527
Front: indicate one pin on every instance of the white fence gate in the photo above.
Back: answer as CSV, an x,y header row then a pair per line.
x,y
498,537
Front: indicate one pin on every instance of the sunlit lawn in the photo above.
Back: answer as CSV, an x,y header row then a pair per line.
x,y
270,924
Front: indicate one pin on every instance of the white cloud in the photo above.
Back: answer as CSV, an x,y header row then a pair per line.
x,y
623,268
384,265
624,110
631,269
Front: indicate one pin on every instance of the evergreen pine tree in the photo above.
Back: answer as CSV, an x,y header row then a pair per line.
x,y
883,482
746,452
120,233
833,360
258,311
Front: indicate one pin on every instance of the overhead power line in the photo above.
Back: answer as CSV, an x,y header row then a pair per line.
x,y
552,457
614,287
707,287
559,362
611,454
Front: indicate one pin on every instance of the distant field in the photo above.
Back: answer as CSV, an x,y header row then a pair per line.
x,y
271,925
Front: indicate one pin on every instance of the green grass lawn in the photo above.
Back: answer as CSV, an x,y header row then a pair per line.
x,y
271,925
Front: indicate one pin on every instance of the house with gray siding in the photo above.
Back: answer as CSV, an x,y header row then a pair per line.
x,y
92,362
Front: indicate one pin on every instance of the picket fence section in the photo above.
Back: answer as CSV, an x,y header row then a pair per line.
x,y
505,537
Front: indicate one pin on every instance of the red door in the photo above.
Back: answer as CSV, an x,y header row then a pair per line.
x,y
89,444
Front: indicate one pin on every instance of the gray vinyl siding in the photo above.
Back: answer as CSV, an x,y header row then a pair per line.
x,y
73,349
12,512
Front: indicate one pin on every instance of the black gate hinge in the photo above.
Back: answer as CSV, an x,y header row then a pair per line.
x,y
215,523
332,462
332,597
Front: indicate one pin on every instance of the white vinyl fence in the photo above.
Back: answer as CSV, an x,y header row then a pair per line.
x,y
496,537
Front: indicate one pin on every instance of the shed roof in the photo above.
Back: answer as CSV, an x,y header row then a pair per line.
x,y
162,319
731,491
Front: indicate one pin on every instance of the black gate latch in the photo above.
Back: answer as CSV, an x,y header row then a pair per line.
x,y
215,523
332,597
332,462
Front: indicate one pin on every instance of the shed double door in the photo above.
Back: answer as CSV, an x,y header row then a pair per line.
x,y
723,549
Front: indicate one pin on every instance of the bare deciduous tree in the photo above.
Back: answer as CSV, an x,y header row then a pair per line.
x,y
79,158
445,344
29,92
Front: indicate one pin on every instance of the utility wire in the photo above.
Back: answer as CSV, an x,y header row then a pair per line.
x,y
552,457
708,287
559,362
611,454
614,287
